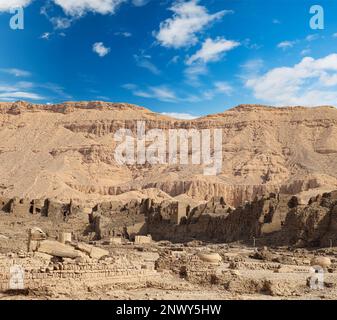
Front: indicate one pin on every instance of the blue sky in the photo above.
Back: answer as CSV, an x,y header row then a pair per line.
x,y
186,57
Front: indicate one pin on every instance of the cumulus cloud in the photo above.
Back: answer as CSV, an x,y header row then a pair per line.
x,y
188,19
310,82
6,5
81,7
212,50
100,49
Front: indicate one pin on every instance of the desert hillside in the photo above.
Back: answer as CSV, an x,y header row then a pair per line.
x,y
66,151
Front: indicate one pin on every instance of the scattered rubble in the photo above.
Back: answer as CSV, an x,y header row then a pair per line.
x,y
270,257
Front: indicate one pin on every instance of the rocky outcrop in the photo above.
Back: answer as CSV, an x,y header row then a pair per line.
x,y
313,225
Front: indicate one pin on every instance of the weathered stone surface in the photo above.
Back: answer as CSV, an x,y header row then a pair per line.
x,y
65,237
93,252
323,262
143,239
210,257
57,249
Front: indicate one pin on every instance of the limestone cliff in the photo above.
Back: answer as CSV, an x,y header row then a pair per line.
x,y
66,151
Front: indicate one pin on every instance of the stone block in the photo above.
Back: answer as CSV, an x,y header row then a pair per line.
x,y
57,249
143,239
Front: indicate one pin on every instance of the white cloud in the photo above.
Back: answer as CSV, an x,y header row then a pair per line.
x,y
100,49
140,3
161,93
61,23
16,72
223,87
188,19
286,44
81,7
305,52
166,94
182,116
310,82
18,91
251,67
124,34
31,91
58,23
334,35
45,35
6,5
19,95
312,37
212,50
193,73
129,86
276,21
144,61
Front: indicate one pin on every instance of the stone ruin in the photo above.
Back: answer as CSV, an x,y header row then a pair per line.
x,y
111,219
74,261
274,219
44,207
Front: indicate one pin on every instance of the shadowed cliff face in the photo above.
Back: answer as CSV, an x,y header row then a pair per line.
x,y
276,219
66,151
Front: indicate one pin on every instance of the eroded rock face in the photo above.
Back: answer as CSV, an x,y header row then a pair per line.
x,y
314,224
66,151
275,219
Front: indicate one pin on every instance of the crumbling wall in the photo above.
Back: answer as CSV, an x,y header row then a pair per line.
x,y
313,225
276,219
108,272
56,211
111,219
216,221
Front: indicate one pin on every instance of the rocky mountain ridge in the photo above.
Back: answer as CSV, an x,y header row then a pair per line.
x,y
66,151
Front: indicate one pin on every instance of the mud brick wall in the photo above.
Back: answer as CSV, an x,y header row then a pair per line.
x,y
84,272
200,273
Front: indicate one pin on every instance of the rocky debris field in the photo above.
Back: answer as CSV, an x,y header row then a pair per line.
x,y
160,270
